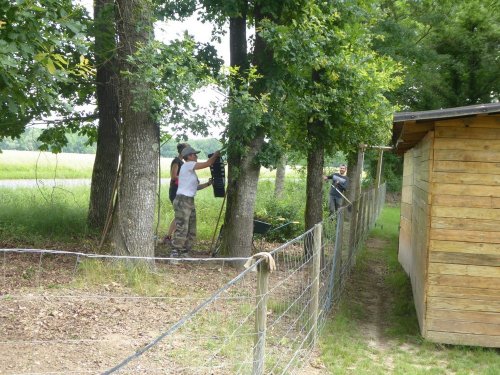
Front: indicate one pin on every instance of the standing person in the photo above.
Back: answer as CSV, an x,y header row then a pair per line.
x,y
175,168
340,183
185,210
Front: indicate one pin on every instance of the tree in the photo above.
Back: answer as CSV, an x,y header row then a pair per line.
x,y
133,218
244,136
279,183
156,86
333,85
468,53
449,50
105,169
249,121
42,61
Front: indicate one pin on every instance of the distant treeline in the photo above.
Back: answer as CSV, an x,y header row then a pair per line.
x,y
78,144
206,146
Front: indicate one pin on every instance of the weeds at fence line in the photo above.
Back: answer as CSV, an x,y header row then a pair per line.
x,y
77,313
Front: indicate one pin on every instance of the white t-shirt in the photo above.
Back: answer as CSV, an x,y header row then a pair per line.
x,y
188,180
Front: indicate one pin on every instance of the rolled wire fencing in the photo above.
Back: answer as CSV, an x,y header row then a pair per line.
x,y
65,312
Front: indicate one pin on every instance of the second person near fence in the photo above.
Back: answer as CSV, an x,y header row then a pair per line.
x,y
340,183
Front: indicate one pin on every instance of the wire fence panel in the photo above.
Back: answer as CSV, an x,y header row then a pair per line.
x,y
63,312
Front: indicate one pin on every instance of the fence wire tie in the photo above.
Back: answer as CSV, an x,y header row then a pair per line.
x,y
267,257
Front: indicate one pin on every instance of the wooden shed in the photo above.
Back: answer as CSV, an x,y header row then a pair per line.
x,y
449,241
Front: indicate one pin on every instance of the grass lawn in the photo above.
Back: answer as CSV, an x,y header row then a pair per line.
x,y
46,165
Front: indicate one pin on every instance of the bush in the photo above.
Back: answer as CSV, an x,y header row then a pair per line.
x,y
285,215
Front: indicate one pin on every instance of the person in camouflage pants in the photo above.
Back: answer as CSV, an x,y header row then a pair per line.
x,y
184,207
185,221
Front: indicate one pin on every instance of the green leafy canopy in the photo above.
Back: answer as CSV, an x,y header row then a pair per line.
x,y
42,44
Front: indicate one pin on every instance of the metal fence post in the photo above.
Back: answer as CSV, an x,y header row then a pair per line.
x,y
260,318
315,273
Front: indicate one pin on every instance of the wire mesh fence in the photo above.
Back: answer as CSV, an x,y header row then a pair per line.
x,y
77,313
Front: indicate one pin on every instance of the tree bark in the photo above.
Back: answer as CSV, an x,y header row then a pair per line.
x,y
279,183
243,177
132,231
352,165
243,167
314,188
315,162
236,242
108,142
238,54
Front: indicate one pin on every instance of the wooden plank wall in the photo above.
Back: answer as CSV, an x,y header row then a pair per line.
x,y
421,223
415,220
404,253
463,296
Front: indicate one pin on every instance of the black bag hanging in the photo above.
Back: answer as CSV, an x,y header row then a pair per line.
x,y
218,172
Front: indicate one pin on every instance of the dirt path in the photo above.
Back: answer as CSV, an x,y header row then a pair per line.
x,y
368,303
369,290
366,292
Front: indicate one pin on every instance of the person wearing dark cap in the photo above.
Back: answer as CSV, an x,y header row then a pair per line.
x,y
175,168
184,207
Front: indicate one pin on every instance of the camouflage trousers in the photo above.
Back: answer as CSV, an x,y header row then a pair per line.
x,y
185,221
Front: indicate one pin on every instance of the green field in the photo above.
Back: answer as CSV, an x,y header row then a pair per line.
x,y
46,165
53,217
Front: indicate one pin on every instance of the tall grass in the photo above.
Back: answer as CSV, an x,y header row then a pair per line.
x,y
38,216
46,165
42,215
345,348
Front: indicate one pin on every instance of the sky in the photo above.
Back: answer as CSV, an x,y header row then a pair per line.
x,y
202,32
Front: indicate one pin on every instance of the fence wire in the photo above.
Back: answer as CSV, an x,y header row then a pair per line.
x,y
75,313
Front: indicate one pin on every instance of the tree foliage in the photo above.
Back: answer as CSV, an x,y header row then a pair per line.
x,y
346,99
43,61
450,54
450,51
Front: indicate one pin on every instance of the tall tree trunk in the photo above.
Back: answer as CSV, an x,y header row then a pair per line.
x,y
242,192
279,182
315,161
238,54
314,187
235,242
108,141
243,166
352,165
132,231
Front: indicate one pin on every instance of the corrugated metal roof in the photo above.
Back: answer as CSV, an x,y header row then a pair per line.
x,y
410,127
444,113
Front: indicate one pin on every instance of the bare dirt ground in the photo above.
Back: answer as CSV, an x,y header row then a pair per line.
x,y
372,294
48,325
53,322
